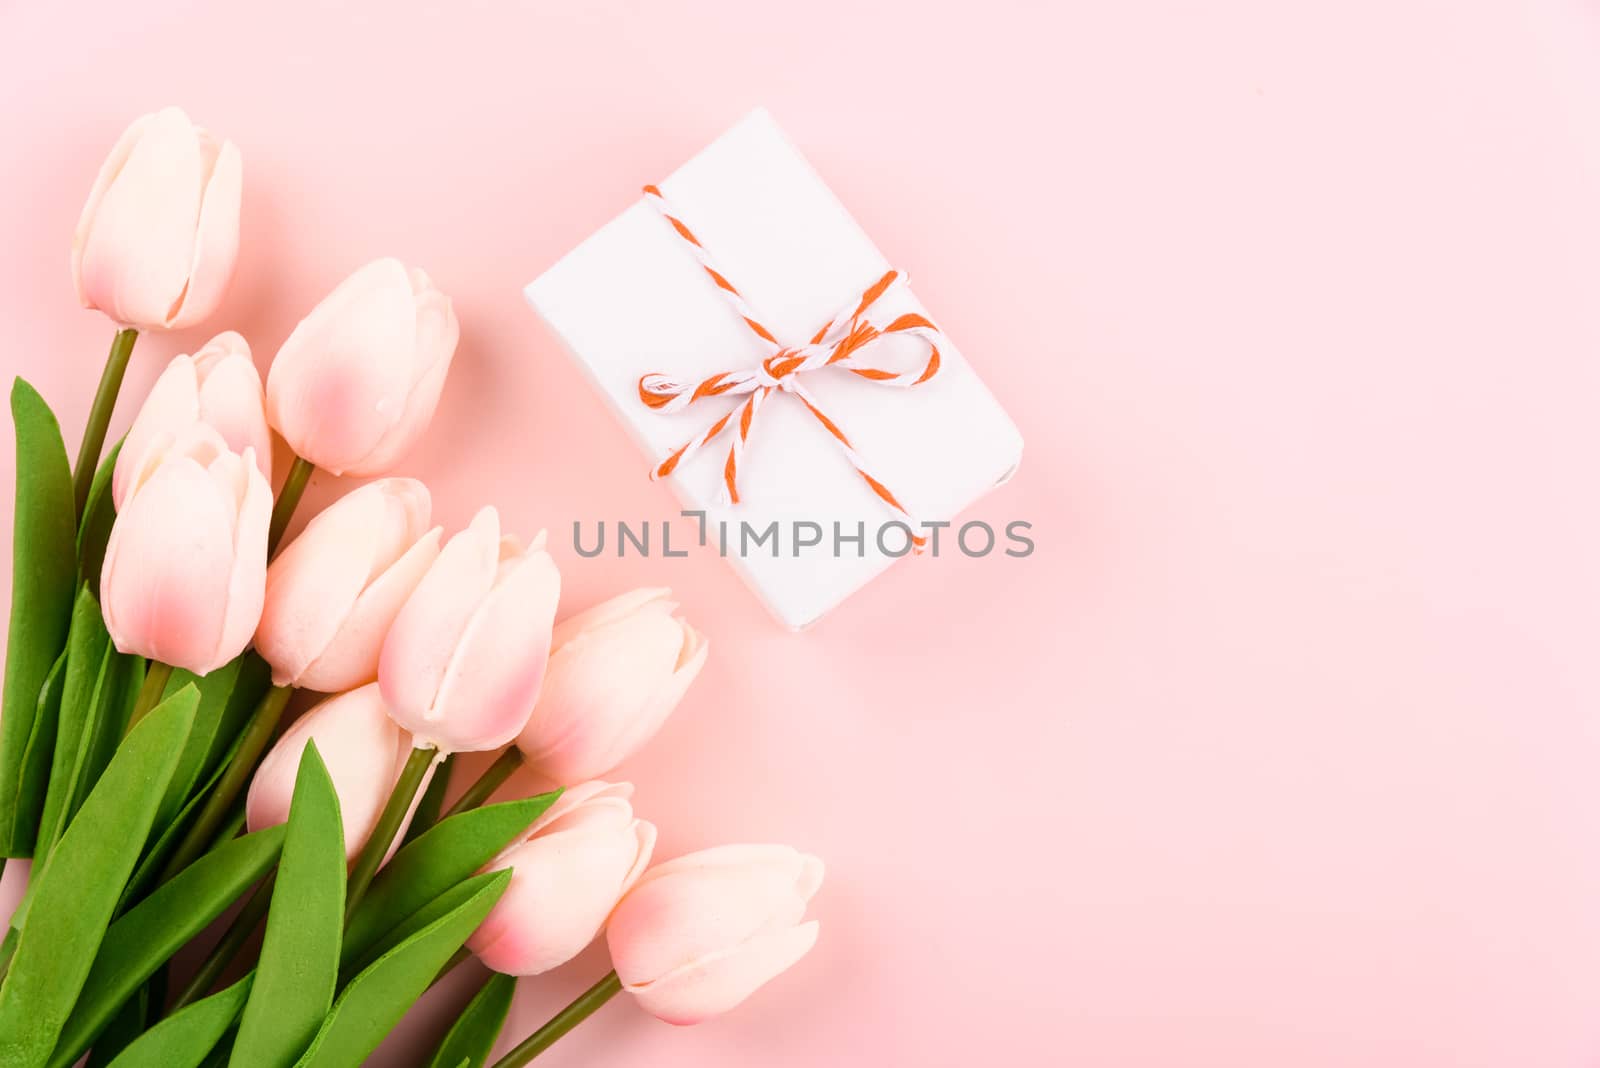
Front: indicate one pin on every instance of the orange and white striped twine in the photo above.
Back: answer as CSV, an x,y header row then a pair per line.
x,y
841,344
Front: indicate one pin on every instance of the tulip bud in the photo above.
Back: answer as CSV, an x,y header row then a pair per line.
x,y
158,237
363,750
357,381
616,672
699,934
334,591
217,386
186,565
463,662
568,871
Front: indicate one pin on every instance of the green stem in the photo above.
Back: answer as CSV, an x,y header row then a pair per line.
x,y
389,820
155,684
504,765
228,946
289,496
105,400
253,742
428,809
581,1009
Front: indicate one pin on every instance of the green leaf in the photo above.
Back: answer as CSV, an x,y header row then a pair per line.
x,y
87,697
94,529
451,851
44,572
299,966
407,927
250,686
155,858
183,1039
218,1057
140,942
215,690
472,1037
131,1020
123,686
432,803
137,1015
377,998
75,893
38,756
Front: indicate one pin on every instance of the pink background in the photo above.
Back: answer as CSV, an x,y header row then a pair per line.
x,y
1283,747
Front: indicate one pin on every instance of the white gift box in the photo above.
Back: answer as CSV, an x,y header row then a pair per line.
x,y
633,300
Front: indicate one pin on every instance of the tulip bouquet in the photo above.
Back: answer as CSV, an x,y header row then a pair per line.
x,y
157,634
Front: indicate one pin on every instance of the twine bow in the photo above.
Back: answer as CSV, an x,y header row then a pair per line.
x,y
842,343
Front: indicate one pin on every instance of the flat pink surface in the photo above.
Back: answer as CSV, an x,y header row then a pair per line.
x,y
1283,748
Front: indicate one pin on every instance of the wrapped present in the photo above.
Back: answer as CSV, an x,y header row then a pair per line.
x,y
781,376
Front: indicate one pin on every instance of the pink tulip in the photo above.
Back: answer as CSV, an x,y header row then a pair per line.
x,y
186,566
567,873
217,386
334,591
357,381
701,933
363,750
157,240
462,664
616,672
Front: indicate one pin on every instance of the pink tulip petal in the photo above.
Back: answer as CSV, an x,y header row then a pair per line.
x,y
166,576
437,333
360,745
109,170
247,580
216,239
351,656
231,400
729,857
493,680
219,350
566,884
601,813
320,628
172,406
572,798
339,383
591,715
139,249
198,441
692,652
315,581
609,611
425,633
705,912
565,880
407,517
645,832
658,705
712,986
